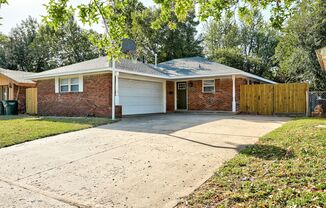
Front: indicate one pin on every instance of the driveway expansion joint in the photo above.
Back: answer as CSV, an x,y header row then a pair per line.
x,y
46,194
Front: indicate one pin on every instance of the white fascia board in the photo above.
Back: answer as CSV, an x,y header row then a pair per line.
x,y
259,78
61,74
142,74
222,75
200,76
48,76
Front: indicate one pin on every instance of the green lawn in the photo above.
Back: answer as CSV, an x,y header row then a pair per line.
x,y
287,168
17,129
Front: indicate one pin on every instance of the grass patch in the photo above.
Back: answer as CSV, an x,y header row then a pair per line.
x,y
286,168
18,129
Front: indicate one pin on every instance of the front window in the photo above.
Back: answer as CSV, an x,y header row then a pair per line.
x,y
69,84
209,86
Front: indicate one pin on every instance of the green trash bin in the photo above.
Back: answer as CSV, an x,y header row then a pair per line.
x,y
1,108
10,107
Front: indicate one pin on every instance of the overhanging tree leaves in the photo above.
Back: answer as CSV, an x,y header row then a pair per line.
x,y
1,3
113,14
296,52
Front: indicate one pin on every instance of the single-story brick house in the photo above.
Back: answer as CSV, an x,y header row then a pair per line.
x,y
85,89
13,85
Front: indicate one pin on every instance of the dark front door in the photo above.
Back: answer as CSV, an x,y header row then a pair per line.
x,y
181,95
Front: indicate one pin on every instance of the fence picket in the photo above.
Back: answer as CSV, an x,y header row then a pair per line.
x,y
268,99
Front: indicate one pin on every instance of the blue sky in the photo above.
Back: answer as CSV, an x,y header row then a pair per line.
x,y
18,10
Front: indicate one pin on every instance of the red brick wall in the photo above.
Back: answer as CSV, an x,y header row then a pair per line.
x,y
169,96
221,100
238,83
95,100
20,96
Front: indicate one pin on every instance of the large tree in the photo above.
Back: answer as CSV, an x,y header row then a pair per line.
x,y
31,47
18,49
114,15
305,32
166,43
246,44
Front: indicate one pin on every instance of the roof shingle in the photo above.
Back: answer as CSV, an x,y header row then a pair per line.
x,y
18,76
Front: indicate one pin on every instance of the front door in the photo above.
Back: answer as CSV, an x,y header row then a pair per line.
x,y
181,95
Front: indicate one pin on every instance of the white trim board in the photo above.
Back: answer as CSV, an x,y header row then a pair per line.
x,y
176,78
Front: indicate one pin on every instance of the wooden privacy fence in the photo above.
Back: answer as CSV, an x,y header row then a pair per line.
x,y
269,99
31,100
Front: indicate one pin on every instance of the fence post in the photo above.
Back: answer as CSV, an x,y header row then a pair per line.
x,y
307,103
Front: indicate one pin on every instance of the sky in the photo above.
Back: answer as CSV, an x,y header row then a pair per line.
x,y
18,10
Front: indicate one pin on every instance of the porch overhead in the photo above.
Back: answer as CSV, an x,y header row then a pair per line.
x,y
19,78
199,67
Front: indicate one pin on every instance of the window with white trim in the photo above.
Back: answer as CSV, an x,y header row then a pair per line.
x,y
69,84
209,86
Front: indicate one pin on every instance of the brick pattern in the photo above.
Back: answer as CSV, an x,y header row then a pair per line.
x,y
20,96
238,83
95,100
221,100
169,96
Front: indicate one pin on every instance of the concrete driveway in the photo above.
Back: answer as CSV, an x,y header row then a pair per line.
x,y
146,161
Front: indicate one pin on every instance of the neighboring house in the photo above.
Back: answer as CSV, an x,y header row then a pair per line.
x,y
321,55
85,89
13,86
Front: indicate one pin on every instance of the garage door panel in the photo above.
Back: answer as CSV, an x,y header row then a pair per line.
x,y
140,97
139,101
140,92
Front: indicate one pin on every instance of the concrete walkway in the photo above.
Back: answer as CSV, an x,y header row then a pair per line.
x,y
147,161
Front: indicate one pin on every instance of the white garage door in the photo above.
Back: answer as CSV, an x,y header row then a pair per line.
x,y
140,97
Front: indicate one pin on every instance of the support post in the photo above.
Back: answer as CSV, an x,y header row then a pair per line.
x,y
234,105
117,99
113,90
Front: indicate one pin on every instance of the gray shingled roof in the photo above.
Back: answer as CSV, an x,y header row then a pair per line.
x,y
195,66
174,69
100,64
201,67
20,77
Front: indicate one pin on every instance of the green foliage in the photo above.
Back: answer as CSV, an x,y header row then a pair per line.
x,y
112,13
304,33
167,43
115,15
32,47
2,2
286,168
248,44
215,8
